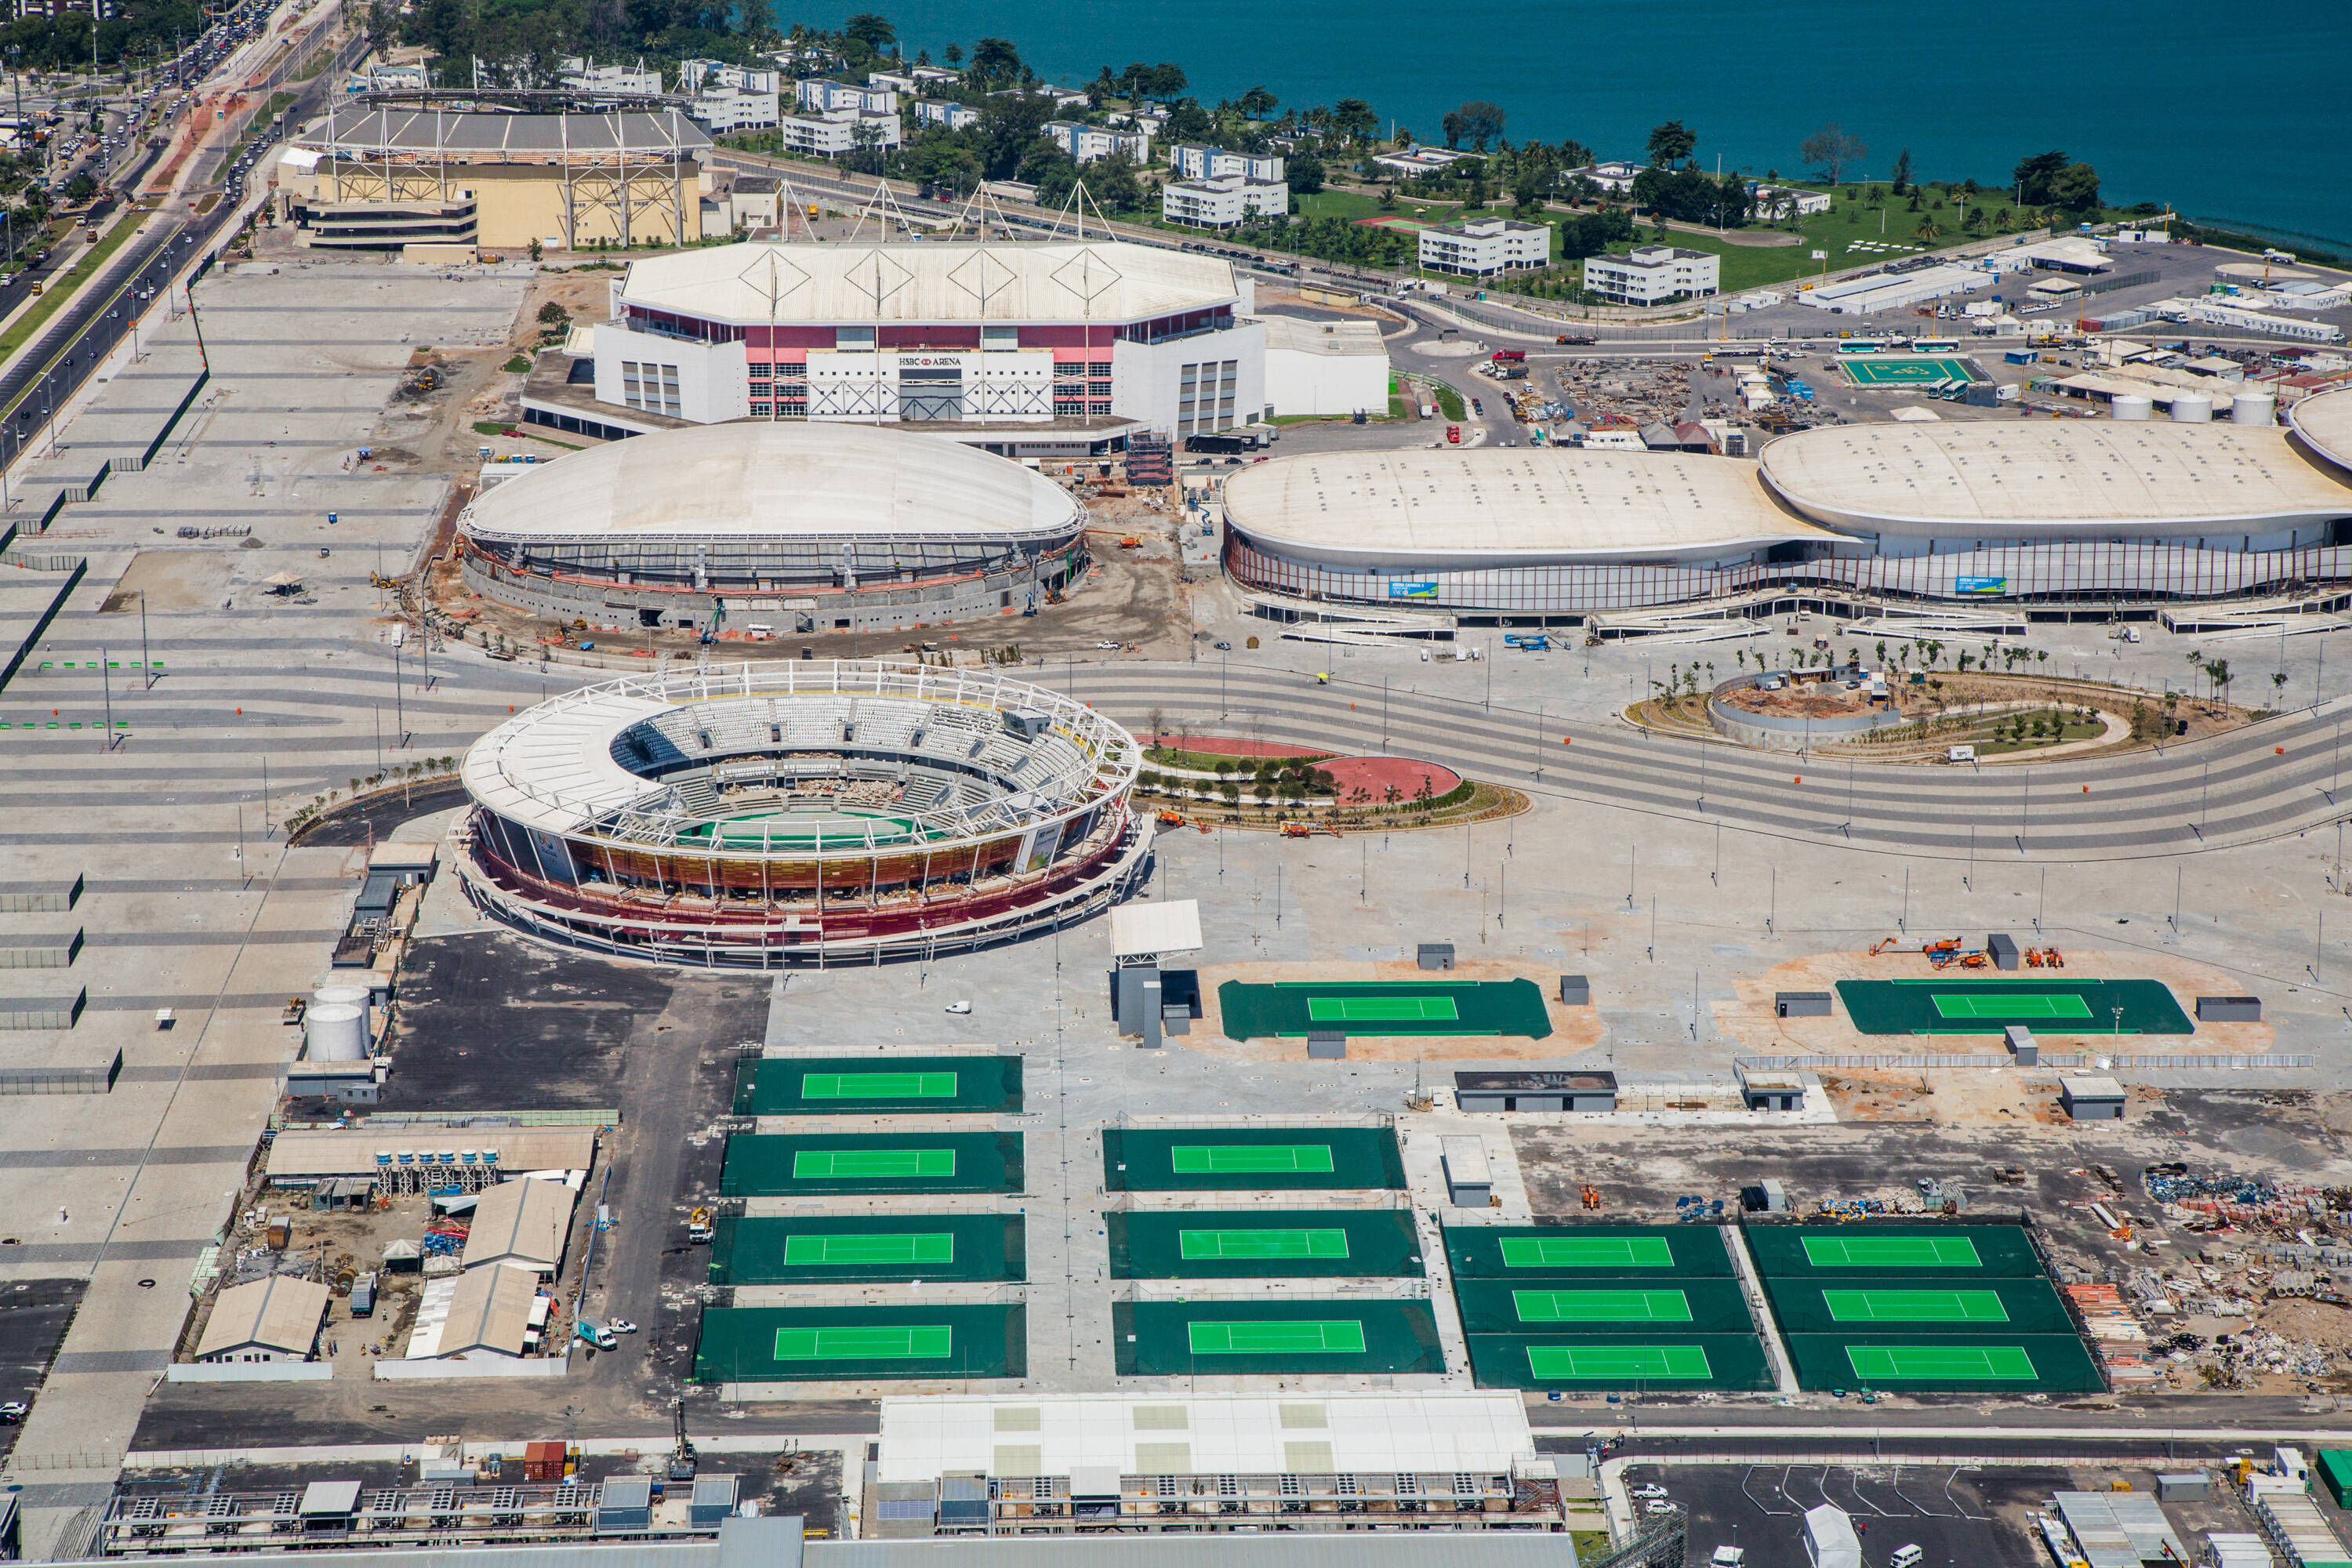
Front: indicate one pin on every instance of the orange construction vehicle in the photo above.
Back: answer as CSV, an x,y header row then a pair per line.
x,y
1130,542
1940,952
1878,947
1591,1196
1172,819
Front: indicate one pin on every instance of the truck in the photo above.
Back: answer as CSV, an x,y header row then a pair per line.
x,y
698,1227
1509,356
593,1334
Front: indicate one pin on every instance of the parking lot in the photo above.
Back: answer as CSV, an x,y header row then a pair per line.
x,y
1977,1517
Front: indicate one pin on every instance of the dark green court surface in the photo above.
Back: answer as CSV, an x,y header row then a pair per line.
x,y
1651,1361
859,1344
1695,1306
1586,1251
854,1248
2052,1006
1933,1307
1250,1158
843,1085
1893,1255
762,1165
1263,1244
1296,1007
1273,1339
1903,1362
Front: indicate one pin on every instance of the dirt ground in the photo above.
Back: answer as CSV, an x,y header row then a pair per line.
x,y
1961,1097
1574,1029
1751,1019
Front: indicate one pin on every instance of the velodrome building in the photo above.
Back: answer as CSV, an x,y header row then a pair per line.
x,y
782,527
2041,513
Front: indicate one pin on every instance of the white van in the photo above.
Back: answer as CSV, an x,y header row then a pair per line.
x,y
1905,1557
1961,754
759,631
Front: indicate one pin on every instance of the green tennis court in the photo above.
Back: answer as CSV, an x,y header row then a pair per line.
x,y
2050,1005
768,1165
1892,1252
1601,1306
1274,1338
1294,1008
847,1085
1892,1364
1259,1244
1250,1158
1382,1009
934,1342
854,1251
1263,1244
1885,371
1331,1336
1583,1252
1628,1363
1957,1007
1915,1306
761,1345
807,829
878,1086
867,1249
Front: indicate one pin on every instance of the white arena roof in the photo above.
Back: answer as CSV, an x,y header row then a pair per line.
x,y
2053,479
1514,507
2325,423
860,285
786,480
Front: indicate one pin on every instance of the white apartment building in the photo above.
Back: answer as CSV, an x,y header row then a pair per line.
x,y
1486,245
693,75
1086,143
819,95
834,134
1421,160
1191,161
1616,177
1772,201
1652,275
720,109
582,74
938,112
1223,202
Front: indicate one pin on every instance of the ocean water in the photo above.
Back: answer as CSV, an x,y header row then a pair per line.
x,y
2232,117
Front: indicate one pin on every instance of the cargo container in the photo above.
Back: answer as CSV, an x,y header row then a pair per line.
x,y
2336,1473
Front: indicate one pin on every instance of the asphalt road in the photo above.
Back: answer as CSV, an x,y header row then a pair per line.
x,y
2267,780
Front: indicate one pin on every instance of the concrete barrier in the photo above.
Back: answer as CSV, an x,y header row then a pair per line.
x,y
250,1371
488,1366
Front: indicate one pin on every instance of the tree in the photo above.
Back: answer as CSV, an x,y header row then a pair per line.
x,y
1306,172
1354,119
2031,180
1832,150
2076,188
1478,122
953,55
1256,103
1670,143
1167,83
873,33
1902,169
994,61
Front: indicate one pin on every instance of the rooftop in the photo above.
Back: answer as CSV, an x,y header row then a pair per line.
x,y
1486,508
521,1219
527,138
279,1313
761,479
302,1155
2325,423
1331,338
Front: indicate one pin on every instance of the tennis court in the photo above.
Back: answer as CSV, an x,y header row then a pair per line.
x,y
765,1250
1620,1362
1263,1244
1915,1306
1250,1158
1921,1364
2006,1362
859,1344
762,1164
1551,1308
1586,1251
1956,1007
1274,1338
1811,1305
838,1086
1893,371
1297,1007
1909,1251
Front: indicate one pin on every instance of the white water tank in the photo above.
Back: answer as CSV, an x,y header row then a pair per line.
x,y
335,1032
2192,408
2133,406
2254,408
338,994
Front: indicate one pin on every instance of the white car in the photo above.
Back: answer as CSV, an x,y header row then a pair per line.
x,y
959,1008
1657,1505
1649,1491
1106,642
621,1325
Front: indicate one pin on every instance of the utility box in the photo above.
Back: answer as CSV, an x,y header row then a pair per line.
x,y
1585,1091
624,1503
1575,991
2002,948
2092,1098
2191,1485
1802,1004
1469,1181
1435,954
2228,1009
713,1500
1770,1089
2022,1048
1327,1045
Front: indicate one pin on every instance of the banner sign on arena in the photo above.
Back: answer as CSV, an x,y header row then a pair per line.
x,y
1980,585
1413,590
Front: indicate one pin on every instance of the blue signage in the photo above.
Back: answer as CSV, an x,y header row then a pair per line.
x,y
1981,585
1413,590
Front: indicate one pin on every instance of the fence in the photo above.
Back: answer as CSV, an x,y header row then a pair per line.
x,y
33,638
2001,1059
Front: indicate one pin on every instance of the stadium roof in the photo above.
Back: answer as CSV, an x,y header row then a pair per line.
x,y
2325,423
2051,480
1440,509
860,285
525,137
760,480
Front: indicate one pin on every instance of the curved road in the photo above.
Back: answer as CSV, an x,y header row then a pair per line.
x,y
2268,780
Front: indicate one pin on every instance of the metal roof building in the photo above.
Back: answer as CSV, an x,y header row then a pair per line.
x,y
300,1158
522,1223
488,1310
275,1319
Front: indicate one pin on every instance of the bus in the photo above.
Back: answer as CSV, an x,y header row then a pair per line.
x,y
1936,346
1867,345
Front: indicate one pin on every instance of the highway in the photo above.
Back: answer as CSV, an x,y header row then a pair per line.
x,y
2268,780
